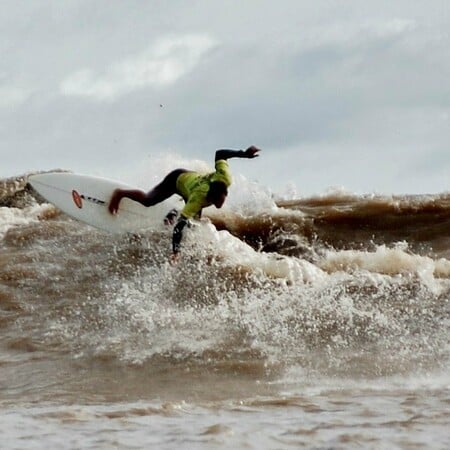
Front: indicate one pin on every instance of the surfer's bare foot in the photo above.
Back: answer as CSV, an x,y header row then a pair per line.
x,y
174,258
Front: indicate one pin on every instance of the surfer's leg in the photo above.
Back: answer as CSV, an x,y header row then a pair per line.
x,y
171,217
165,189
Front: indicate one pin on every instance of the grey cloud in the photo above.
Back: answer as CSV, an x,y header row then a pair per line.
x,y
160,65
322,84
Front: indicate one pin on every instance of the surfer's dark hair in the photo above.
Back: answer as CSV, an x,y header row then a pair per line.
x,y
216,189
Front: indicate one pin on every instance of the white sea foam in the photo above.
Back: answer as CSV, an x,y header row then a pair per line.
x,y
12,217
388,261
239,254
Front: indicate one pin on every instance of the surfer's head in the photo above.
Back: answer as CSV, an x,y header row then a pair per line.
x,y
217,193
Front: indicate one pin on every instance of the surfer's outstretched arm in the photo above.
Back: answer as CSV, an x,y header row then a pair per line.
x,y
251,152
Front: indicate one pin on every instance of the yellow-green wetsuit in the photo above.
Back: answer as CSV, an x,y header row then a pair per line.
x,y
194,187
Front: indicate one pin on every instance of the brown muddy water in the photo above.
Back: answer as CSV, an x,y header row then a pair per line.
x,y
322,323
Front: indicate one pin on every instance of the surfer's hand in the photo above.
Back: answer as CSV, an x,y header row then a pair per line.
x,y
113,206
252,152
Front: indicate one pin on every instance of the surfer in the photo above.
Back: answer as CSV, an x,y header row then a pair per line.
x,y
198,191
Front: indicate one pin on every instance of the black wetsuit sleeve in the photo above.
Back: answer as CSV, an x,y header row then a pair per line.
x,y
178,234
227,154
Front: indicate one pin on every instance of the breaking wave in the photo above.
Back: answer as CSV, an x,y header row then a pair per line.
x,y
336,284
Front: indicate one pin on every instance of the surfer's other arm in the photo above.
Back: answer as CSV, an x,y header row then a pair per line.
x,y
133,194
251,152
162,191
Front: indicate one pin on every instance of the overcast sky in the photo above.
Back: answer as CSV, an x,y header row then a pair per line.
x,y
345,93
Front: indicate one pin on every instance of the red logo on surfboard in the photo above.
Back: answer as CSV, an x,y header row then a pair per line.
x,y
77,199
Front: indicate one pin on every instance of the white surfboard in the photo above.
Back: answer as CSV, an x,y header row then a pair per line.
x,y
86,198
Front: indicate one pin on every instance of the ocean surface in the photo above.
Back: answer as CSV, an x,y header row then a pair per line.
x,y
316,323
